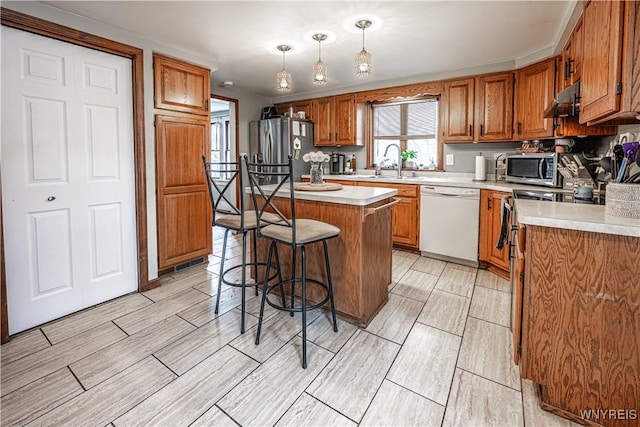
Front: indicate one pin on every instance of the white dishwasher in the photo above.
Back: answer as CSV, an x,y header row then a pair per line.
x,y
449,218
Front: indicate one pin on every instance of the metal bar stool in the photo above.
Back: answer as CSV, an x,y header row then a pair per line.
x,y
222,178
267,181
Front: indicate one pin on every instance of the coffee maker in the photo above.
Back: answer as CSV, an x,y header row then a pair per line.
x,y
337,163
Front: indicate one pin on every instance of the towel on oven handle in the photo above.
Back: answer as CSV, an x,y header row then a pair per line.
x,y
505,218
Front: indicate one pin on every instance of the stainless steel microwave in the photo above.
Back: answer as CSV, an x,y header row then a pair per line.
x,y
533,168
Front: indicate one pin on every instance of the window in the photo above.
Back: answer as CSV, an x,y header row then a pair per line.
x,y
410,125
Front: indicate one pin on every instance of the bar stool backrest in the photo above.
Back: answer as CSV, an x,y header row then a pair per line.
x,y
222,178
262,195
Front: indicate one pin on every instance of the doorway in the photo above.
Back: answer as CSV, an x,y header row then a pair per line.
x,y
224,132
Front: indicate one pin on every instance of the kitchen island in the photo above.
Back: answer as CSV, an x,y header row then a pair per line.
x,y
360,256
581,311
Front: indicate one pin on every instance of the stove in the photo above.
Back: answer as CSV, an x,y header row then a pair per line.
x,y
557,196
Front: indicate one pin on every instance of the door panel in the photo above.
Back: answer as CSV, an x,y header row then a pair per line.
x,y
107,257
68,177
45,124
49,253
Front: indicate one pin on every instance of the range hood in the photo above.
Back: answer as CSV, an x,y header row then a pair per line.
x,y
566,103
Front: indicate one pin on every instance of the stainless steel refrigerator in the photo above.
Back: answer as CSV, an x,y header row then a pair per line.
x,y
273,140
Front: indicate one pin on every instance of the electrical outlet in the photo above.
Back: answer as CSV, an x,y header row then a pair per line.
x,y
449,160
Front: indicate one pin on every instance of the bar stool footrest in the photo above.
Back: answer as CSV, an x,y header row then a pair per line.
x,y
297,309
255,265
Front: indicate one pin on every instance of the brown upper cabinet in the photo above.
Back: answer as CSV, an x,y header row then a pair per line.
x,y
534,92
335,120
180,86
570,69
478,109
611,62
457,110
306,106
494,107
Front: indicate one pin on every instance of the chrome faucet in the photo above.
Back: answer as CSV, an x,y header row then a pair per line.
x,y
399,157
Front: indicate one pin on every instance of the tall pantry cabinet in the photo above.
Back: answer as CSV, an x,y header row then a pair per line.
x,y
182,126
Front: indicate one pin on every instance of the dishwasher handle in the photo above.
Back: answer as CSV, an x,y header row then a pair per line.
x,y
450,192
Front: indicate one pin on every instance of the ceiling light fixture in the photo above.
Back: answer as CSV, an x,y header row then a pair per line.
x,y
319,68
363,58
283,78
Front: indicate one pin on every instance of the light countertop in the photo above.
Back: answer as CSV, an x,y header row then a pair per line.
x,y
532,212
575,217
348,195
443,179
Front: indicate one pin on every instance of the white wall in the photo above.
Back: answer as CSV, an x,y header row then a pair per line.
x,y
149,46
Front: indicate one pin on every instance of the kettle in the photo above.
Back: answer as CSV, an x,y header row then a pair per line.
x,y
337,163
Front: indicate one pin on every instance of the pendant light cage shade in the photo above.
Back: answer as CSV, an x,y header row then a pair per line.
x,y
364,67
283,81
364,60
283,78
320,74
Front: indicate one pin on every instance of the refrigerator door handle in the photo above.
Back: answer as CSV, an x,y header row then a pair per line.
x,y
269,144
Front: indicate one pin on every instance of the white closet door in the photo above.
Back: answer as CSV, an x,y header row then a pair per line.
x,y
67,177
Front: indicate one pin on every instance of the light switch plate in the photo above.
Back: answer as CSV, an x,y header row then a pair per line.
x,y
449,160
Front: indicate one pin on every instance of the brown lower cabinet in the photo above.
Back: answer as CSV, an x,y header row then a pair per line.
x,y
184,211
406,214
581,324
496,260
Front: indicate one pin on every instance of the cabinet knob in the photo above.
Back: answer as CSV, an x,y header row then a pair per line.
x,y
51,198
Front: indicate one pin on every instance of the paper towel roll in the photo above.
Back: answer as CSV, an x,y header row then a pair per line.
x,y
481,165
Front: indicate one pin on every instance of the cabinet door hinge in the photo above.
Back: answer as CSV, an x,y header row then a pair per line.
x,y
619,88
519,348
522,277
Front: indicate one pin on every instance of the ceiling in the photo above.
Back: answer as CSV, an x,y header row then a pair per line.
x,y
408,39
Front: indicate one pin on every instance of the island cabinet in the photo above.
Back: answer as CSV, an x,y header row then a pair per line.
x,y
360,256
496,260
581,323
611,62
534,92
406,214
335,120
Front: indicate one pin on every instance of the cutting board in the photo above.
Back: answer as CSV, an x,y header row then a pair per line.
x,y
306,186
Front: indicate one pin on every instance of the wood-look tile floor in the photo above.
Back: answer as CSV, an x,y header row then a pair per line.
x,y
438,354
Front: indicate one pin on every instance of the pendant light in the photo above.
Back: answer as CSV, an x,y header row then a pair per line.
x,y
363,58
319,68
283,78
